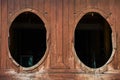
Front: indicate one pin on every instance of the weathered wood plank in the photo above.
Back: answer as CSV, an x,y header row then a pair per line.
x,y
59,31
71,23
41,5
93,3
29,3
0,29
47,9
104,5
4,35
53,34
112,23
80,5
11,7
36,5
58,63
0,19
16,5
61,16
66,32
77,5
22,4
117,24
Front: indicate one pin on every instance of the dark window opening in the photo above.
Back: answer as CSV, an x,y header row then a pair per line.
x,y
27,40
93,40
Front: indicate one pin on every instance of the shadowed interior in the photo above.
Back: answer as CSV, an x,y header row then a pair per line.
x,y
93,40
27,40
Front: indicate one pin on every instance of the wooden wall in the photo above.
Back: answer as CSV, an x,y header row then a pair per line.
x,y
60,18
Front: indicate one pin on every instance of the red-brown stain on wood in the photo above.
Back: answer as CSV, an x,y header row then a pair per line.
x,y
60,18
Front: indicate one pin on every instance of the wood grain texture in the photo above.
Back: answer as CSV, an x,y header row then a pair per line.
x,y
22,4
62,16
4,37
66,32
117,24
0,28
36,5
29,4
16,5
71,23
41,5
53,21
11,6
59,28
47,10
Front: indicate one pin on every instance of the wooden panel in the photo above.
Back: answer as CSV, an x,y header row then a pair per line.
x,y
41,5
53,52
22,4
104,5
29,3
0,29
80,5
61,16
59,27
108,76
16,5
93,3
71,32
117,19
0,15
47,9
66,33
59,33
11,7
4,33
112,23
47,15
36,4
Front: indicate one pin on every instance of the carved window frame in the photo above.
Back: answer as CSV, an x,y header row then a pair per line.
x,y
107,16
41,16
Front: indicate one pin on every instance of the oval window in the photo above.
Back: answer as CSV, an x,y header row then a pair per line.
x,y
27,39
93,41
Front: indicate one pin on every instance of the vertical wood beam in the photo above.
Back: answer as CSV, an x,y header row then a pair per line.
x,y
53,34
65,33
0,30
4,35
71,32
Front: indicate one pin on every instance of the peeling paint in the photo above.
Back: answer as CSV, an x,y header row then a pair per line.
x,y
40,75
